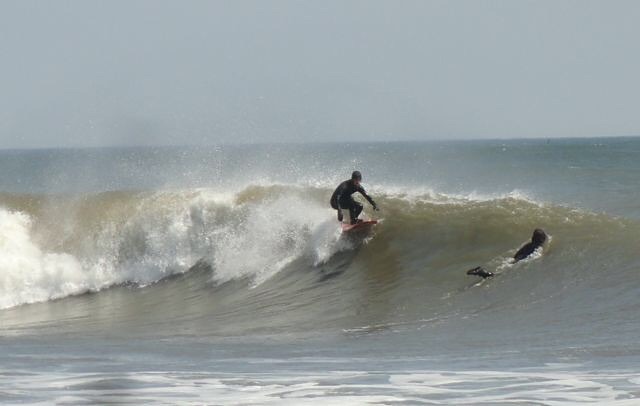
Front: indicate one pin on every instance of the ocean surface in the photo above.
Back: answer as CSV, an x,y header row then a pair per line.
x,y
219,275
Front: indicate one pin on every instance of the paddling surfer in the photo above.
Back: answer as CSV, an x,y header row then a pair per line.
x,y
538,239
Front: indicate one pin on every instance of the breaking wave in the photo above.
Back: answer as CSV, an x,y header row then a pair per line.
x,y
275,250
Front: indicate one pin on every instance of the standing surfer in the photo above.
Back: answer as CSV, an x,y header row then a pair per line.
x,y
341,198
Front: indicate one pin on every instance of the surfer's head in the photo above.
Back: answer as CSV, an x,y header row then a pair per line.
x,y
539,236
356,177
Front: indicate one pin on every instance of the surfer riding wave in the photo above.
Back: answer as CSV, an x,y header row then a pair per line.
x,y
341,198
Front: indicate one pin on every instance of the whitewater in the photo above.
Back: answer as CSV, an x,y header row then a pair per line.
x,y
219,275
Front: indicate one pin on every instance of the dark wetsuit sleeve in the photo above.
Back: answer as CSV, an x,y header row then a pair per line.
x,y
524,252
366,196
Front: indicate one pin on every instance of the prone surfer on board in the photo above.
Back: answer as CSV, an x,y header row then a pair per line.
x,y
538,239
341,198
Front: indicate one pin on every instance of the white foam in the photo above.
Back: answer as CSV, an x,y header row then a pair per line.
x,y
269,235
166,233
27,273
554,387
31,274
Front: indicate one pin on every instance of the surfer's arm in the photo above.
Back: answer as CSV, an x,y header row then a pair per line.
x,y
369,199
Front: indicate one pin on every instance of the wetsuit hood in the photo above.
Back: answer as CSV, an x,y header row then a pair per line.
x,y
539,236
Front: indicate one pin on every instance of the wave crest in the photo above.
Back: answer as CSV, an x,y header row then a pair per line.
x,y
53,247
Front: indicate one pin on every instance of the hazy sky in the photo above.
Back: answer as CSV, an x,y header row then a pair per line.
x,y
89,73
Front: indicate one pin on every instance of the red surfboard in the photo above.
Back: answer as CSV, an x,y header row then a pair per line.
x,y
358,226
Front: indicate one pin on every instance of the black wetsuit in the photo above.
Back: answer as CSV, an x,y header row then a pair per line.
x,y
341,199
537,240
525,251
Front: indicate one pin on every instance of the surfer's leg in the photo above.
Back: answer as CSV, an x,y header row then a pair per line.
x,y
480,271
352,214
358,209
355,209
